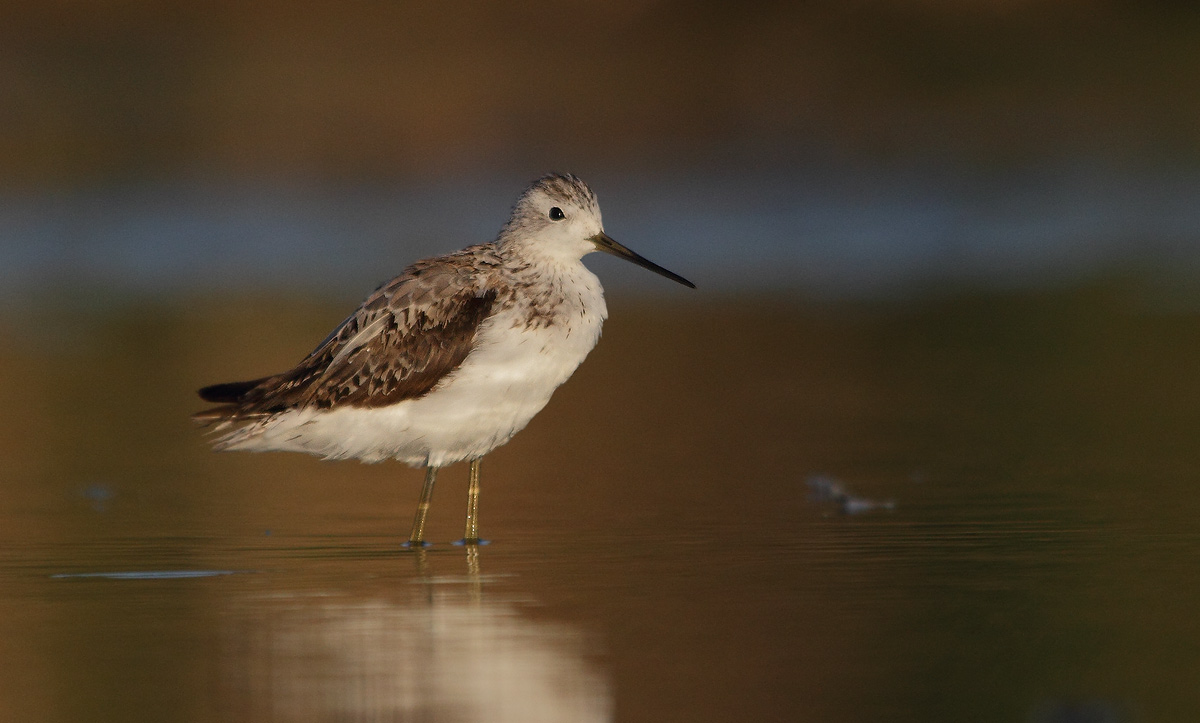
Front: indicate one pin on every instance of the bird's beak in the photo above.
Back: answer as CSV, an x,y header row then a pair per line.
x,y
607,245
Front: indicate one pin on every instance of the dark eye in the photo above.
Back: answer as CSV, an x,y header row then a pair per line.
x,y
556,214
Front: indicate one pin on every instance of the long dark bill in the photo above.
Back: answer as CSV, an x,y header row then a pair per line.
x,y
607,245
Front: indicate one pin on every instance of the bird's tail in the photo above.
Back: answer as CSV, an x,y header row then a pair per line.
x,y
229,392
230,396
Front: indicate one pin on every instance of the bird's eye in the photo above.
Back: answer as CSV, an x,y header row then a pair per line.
x,y
556,214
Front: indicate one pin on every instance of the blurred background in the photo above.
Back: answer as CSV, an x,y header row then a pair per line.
x,y
836,149
921,446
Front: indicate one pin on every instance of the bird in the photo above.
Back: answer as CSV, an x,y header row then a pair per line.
x,y
448,360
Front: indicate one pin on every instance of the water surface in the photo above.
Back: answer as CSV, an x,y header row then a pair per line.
x,y
665,545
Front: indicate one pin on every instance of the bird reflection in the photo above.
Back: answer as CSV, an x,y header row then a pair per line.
x,y
437,646
472,582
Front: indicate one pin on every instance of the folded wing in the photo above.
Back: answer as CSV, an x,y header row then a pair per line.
x,y
404,339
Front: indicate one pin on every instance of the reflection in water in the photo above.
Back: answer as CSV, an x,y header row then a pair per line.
x,y
439,649
1042,563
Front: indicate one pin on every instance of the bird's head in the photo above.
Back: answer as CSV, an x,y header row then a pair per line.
x,y
558,217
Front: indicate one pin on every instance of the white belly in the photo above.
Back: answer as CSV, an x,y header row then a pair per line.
x,y
503,383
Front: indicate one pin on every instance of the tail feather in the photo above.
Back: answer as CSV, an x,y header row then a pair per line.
x,y
223,414
231,397
229,392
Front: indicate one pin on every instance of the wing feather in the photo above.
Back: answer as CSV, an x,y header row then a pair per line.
x,y
399,344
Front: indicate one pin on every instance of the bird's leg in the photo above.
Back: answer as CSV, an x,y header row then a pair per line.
x,y
417,538
471,537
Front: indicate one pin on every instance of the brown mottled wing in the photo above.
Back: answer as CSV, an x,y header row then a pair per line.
x,y
398,345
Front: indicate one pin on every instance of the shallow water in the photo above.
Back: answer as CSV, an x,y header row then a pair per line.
x,y
685,533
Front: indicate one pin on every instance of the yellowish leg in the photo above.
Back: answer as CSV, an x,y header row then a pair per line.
x,y
417,538
471,537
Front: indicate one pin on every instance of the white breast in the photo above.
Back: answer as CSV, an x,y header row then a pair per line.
x,y
508,377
